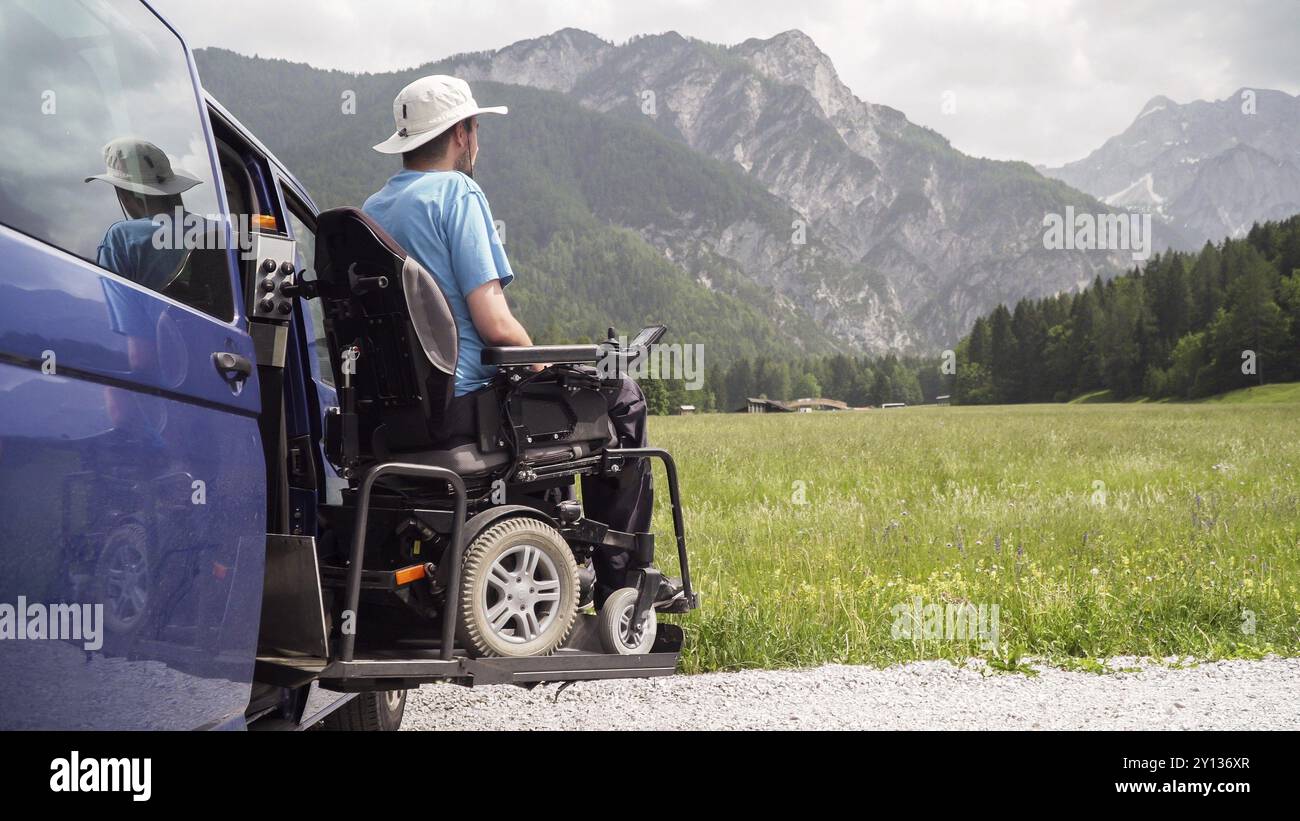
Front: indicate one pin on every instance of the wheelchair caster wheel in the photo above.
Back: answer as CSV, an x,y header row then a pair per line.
x,y
617,633
518,591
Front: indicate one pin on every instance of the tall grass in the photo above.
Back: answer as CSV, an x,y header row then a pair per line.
x,y
1097,530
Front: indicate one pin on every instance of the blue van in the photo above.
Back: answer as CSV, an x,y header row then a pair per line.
x,y
166,392
132,470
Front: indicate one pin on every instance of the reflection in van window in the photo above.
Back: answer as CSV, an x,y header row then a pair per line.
x,y
306,249
105,155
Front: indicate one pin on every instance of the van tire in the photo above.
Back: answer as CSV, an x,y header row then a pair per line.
x,y
372,712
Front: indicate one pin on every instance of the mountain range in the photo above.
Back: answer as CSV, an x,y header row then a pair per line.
x,y
926,237
741,194
1206,170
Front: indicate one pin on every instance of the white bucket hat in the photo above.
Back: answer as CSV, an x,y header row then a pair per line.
x,y
140,166
428,107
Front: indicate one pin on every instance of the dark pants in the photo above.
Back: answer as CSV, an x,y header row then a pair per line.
x,y
625,501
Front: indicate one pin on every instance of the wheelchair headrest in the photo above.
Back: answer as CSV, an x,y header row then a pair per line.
x,y
357,259
359,233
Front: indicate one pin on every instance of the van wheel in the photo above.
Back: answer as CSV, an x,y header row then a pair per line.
x,y
372,712
518,590
617,633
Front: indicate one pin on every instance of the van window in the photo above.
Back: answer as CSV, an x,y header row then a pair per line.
x,y
104,152
306,247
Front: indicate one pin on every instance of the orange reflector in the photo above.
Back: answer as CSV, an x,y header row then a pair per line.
x,y
410,574
265,222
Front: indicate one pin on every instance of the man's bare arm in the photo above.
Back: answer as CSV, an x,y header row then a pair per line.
x,y
493,320
492,317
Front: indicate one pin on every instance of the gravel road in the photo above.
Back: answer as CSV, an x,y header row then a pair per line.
x,y
1244,695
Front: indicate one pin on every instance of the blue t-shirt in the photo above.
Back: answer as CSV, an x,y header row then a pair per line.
x,y
128,251
442,219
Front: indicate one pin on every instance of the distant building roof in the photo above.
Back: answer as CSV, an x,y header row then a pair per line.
x,y
792,405
824,404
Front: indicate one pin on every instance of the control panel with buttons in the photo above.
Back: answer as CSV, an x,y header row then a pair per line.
x,y
274,279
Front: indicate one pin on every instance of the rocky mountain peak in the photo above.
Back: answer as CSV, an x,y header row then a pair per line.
x,y
793,58
554,62
1157,103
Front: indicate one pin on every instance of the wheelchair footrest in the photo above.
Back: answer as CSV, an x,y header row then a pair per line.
x,y
684,604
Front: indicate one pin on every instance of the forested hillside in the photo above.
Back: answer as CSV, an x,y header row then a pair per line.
x,y
1187,325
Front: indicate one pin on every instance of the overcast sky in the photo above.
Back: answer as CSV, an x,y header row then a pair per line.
x,y
1040,80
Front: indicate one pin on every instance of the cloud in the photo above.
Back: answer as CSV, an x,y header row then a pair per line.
x,y
1045,81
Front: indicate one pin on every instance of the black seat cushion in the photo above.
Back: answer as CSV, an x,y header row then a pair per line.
x,y
465,460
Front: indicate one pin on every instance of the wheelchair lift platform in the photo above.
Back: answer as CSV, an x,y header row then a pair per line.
x,y
404,667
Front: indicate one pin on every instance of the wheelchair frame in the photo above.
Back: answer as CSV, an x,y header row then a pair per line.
x,y
349,673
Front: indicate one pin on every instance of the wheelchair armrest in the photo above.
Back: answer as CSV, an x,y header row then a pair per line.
x,y
541,354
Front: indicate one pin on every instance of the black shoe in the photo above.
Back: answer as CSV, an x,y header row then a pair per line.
x,y
670,591
586,586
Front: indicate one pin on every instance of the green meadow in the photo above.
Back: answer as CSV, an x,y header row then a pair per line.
x,y
1150,529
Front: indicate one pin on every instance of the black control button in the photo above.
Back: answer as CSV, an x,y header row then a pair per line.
x,y
286,268
268,265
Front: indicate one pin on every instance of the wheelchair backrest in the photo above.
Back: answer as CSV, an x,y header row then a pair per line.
x,y
381,301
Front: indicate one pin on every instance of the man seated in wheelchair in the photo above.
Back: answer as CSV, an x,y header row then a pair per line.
x,y
518,426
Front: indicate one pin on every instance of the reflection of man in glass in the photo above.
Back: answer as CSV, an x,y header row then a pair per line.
x,y
146,187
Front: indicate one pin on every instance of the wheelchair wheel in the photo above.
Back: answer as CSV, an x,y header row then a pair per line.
x,y
518,590
615,625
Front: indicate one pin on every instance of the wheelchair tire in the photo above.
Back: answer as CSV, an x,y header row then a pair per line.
x,y
614,625
518,590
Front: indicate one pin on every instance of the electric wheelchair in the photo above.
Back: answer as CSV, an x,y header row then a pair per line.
x,y
460,525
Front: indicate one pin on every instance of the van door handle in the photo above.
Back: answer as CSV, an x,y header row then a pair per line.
x,y
232,365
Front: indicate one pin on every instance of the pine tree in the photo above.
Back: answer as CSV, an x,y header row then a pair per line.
x,y
1255,327
980,345
1026,383
1206,285
1003,355
739,384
